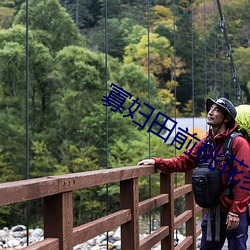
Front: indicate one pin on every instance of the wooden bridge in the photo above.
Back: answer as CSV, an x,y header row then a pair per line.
x,y
56,192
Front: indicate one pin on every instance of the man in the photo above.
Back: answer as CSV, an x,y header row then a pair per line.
x,y
221,115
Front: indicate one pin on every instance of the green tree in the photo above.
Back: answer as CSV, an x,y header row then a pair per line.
x,y
13,60
53,25
84,13
117,32
242,64
6,17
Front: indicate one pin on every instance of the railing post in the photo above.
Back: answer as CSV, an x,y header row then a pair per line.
x,y
190,205
58,219
129,198
167,210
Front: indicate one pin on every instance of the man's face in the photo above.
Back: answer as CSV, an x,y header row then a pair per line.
x,y
215,116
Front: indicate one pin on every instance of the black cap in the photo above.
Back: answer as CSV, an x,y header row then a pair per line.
x,y
223,103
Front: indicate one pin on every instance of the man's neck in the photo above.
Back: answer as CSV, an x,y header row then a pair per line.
x,y
218,130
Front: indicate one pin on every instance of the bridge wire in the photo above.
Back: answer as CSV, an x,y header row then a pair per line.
x,y
205,56
215,54
107,120
205,49
229,55
222,68
27,204
174,69
193,93
175,94
149,141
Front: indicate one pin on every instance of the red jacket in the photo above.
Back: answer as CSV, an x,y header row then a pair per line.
x,y
241,150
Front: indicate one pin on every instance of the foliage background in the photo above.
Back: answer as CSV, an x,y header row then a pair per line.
x,y
71,62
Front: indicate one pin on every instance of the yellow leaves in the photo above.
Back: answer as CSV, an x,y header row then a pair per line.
x,y
6,17
188,107
180,66
161,16
169,101
160,53
161,12
203,114
166,96
172,84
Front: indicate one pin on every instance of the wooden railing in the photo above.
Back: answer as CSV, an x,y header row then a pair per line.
x,y
59,232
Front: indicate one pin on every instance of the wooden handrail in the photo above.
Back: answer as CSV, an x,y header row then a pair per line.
x,y
58,208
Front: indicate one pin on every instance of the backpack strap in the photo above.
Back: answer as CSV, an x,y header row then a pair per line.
x,y
227,147
227,151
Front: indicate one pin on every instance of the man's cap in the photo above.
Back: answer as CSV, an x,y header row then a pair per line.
x,y
223,103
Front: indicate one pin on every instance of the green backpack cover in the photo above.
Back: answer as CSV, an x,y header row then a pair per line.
x,y
243,118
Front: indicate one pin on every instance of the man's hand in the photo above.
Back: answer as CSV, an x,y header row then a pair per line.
x,y
146,162
232,221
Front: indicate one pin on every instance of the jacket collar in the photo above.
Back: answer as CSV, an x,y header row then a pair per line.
x,y
220,138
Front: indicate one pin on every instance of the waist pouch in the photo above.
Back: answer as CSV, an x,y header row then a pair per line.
x,y
206,186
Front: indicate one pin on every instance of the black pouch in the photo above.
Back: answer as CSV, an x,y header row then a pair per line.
x,y
206,185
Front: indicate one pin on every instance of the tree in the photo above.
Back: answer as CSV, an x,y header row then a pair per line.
x,y
242,64
6,17
161,61
161,16
40,60
84,13
117,32
53,25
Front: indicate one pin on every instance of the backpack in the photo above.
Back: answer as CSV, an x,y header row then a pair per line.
x,y
243,120
206,182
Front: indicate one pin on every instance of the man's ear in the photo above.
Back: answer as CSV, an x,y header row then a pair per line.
x,y
228,118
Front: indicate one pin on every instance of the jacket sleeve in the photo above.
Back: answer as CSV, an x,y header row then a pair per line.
x,y
241,177
183,163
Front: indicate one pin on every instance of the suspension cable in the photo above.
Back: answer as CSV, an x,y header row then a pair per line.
x,y
192,24
107,120
205,51
175,94
149,141
27,207
215,53
229,53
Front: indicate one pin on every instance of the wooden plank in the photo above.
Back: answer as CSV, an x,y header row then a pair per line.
x,y
154,238
98,177
185,244
198,208
167,210
190,205
152,203
129,196
58,219
90,230
182,218
182,190
198,231
46,244
24,190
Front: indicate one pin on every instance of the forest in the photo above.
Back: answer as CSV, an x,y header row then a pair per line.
x,y
56,69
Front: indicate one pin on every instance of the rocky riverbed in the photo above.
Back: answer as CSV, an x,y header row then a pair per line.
x,y
16,238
